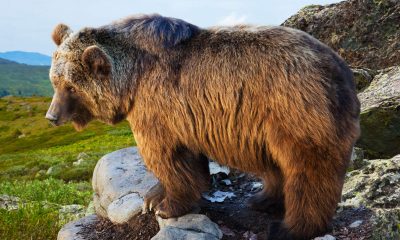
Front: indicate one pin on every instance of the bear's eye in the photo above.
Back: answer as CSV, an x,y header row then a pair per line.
x,y
71,89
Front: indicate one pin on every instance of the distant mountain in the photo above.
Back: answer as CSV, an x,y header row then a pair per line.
x,y
30,58
24,80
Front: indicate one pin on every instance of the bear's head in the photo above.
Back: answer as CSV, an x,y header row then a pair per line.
x,y
94,71
81,73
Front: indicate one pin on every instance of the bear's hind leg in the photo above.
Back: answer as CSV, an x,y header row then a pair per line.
x,y
270,198
312,189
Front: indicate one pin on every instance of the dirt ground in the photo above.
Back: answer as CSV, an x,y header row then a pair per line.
x,y
234,218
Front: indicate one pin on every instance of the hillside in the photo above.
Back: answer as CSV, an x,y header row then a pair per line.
x,y
47,167
30,58
24,80
364,32
29,145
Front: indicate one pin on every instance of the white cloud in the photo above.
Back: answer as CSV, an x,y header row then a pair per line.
x,y
232,19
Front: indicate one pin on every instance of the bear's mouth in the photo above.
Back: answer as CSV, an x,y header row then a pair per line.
x,y
57,122
80,122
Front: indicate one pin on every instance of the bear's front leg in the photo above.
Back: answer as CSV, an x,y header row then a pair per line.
x,y
154,197
183,176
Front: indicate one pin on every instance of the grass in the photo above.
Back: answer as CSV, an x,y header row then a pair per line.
x,y
37,165
30,145
50,190
33,221
38,216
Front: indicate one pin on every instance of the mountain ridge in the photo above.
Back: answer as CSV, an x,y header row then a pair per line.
x,y
18,79
29,58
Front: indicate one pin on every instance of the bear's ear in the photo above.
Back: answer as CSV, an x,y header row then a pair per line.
x,y
97,61
60,33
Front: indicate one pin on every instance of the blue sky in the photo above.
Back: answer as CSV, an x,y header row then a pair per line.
x,y
27,24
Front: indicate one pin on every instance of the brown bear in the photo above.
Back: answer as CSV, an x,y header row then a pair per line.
x,y
272,101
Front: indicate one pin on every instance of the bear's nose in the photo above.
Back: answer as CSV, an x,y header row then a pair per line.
x,y
51,117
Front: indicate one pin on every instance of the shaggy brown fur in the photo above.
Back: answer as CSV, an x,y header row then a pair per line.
x,y
267,100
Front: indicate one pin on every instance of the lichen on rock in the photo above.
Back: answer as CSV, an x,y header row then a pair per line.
x,y
376,186
365,32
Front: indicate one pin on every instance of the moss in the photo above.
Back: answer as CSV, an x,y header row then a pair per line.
x,y
380,131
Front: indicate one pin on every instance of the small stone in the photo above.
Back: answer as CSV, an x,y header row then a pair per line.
x,y
249,235
227,182
256,186
71,230
125,208
79,162
82,155
218,196
70,212
216,168
190,223
9,202
356,224
171,233
227,231
50,171
326,237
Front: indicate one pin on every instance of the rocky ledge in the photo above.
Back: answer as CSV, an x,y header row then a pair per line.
x,y
370,206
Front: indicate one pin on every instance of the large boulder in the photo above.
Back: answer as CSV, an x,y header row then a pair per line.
x,y
376,186
120,182
365,32
380,115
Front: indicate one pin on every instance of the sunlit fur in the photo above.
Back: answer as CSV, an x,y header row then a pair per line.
x,y
272,101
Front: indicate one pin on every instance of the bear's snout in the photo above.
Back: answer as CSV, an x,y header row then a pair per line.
x,y
52,118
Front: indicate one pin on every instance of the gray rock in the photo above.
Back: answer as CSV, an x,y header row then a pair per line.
x,y
376,186
187,227
82,155
71,212
380,115
326,237
9,202
171,233
71,230
78,162
124,208
355,224
386,223
216,168
120,182
50,171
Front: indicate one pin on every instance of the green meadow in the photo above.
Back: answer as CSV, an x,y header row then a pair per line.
x,y
39,165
